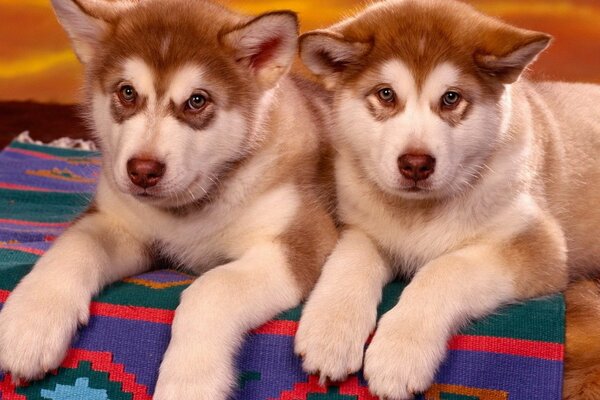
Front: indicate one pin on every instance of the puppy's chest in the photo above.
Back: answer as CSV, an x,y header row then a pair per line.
x,y
194,243
410,238
204,240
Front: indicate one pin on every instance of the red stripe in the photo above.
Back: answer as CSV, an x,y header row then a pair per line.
x,y
35,154
486,344
514,347
23,249
280,328
132,313
33,223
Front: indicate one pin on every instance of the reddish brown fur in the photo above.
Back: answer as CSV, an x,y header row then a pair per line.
x,y
387,32
582,362
190,42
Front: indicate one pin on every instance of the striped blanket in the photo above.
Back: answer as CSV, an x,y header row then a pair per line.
x,y
516,354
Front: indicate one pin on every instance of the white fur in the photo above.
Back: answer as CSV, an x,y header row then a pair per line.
x,y
349,289
187,79
410,342
204,341
418,127
157,134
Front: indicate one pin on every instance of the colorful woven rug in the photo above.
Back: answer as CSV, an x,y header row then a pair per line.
x,y
516,354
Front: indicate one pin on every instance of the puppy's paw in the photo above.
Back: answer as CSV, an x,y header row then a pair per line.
x,y
36,329
331,339
402,360
195,373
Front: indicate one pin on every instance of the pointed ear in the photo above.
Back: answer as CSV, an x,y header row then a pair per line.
x,y
84,30
515,50
328,54
266,45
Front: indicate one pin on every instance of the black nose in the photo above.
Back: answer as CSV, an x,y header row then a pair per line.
x,y
145,173
416,167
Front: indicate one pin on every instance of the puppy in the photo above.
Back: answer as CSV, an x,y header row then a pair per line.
x,y
211,155
451,171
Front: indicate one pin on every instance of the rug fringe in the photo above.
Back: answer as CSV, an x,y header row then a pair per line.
x,y
63,143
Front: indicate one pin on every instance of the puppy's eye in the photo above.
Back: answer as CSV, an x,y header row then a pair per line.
x,y
196,102
387,95
451,99
127,94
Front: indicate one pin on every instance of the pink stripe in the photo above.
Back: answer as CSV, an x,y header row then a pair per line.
x,y
33,223
12,186
36,154
24,249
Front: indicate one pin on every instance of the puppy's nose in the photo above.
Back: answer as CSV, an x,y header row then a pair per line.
x,y
416,167
145,173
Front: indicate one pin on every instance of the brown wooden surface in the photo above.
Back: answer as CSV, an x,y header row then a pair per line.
x,y
45,122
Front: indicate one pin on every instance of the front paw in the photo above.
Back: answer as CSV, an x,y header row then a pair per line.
x,y
36,329
193,372
331,342
402,360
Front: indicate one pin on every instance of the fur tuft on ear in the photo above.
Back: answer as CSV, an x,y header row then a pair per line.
x,y
266,45
84,30
517,49
107,10
328,54
86,21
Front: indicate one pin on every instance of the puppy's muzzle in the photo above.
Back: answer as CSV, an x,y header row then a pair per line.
x,y
145,173
416,167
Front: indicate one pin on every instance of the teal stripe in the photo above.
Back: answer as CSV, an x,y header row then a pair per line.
x,y
538,320
14,265
54,151
42,206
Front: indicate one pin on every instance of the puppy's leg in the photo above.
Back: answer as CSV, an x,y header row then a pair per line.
x,y
41,315
342,310
214,314
411,339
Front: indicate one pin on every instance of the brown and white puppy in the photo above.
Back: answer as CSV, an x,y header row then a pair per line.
x,y
210,158
452,171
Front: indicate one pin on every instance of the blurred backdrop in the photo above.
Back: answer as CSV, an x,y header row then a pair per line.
x,y
36,62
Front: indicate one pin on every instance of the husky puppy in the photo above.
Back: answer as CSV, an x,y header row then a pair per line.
x,y
210,158
452,171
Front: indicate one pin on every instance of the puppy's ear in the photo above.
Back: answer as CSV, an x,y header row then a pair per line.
x,y
87,21
508,51
328,54
266,45
84,30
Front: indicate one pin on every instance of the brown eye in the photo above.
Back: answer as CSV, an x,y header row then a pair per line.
x,y
387,95
127,94
450,99
196,102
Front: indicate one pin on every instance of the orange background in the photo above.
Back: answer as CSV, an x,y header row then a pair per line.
x,y
36,62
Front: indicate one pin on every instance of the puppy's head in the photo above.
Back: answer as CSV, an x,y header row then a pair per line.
x,y
421,90
176,90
